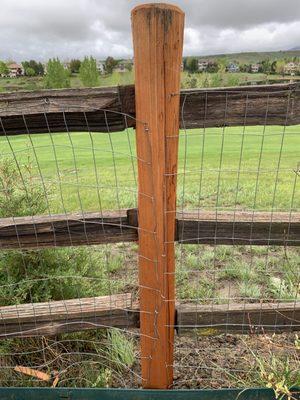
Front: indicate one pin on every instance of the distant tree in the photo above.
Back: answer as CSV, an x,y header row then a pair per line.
x,y
191,64
222,64
213,66
88,72
273,67
265,66
30,71
57,77
40,69
37,67
25,65
280,65
3,68
129,66
110,64
184,63
246,68
75,65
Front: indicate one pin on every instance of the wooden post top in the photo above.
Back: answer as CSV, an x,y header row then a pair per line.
x,y
158,6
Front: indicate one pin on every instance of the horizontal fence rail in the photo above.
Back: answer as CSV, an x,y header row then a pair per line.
x,y
198,227
113,108
55,317
122,311
241,318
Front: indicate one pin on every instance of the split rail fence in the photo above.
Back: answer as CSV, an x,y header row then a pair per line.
x,y
158,111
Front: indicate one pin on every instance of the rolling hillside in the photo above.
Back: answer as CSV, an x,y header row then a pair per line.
x,y
253,57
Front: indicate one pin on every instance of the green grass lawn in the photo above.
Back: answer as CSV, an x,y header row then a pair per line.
x,y
224,169
37,83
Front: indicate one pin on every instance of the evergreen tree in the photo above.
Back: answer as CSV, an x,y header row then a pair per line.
x,y
192,64
280,67
57,77
37,67
30,72
110,64
88,72
3,68
75,65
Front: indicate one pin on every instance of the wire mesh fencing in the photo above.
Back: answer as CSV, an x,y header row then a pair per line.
x,y
238,271
61,195
69,243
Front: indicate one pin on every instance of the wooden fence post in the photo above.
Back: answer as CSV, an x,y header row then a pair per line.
x,y
158,40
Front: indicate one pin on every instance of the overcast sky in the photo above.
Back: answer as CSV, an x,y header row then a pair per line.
x,y
41,29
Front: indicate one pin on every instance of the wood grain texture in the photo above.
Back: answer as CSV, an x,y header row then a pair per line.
x,y
66,230
277,104
96,109
54,317
157,39
198,227
122,311
234,106
239,228
239,318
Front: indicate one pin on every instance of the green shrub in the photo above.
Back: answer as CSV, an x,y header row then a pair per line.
x,y
47,274
20,195
121,349
52,274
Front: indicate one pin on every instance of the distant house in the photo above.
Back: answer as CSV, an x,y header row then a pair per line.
x,y
15,70
101,67
232,67
291,68
202,65
120,68
123,66
255,68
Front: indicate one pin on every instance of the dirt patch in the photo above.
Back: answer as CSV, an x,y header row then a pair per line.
x,y
224,361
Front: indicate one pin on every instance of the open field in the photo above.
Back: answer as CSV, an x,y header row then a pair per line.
x,y
126,78
251,168
36,83
230,169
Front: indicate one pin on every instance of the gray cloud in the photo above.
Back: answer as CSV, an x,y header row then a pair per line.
x,y
73,28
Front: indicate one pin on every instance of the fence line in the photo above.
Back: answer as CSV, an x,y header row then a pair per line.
x,y
196,227
226,178
122,311
119,104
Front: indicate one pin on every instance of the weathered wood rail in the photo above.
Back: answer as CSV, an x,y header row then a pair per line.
x,y
199,227
239,318
113,109
122,311
54,317
66,230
